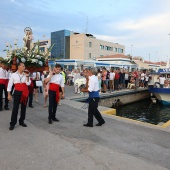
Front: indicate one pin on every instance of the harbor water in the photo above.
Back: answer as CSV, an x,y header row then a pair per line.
x,y
145,111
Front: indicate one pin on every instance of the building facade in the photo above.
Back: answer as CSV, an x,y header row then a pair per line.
x,y
61,41
87,47
121,60
44,45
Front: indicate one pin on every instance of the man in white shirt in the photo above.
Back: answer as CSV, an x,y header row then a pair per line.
x,y
111,79
93,89
56,85
161,80
142,78
21,82
3,86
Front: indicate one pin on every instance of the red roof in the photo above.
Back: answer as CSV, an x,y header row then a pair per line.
x,y
162,63
149,62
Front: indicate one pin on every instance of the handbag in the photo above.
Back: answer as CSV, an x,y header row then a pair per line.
x,y
38,83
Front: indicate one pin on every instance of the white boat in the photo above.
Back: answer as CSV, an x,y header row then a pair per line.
x,y
162,94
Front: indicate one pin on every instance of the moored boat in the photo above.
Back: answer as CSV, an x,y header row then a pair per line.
x,y
162,94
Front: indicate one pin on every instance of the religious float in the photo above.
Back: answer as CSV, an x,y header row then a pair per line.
x,y
162,94
30,54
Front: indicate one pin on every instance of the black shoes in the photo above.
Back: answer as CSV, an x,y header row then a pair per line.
x,y
88,125
55,119
100,123
23,124
6,108
31,106
11,128
0,109
50,121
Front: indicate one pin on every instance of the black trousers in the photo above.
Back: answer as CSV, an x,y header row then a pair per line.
x,y
116,84
126,83
2,88
17,97
93,111
30,99
52,104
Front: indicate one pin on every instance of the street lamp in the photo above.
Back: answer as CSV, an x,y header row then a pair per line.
x,y
169,50
131,49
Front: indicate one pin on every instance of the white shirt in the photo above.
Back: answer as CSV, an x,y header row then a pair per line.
x,y
99,76
9,74
73,75
57,79
3,73
93,83
17,78
36,74
161,80
126,76
142,76
112,76
146,78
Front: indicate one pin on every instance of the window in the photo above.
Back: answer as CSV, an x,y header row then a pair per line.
x,y
120,50
115,49
89,55
42,49
108,48
102,47
90,44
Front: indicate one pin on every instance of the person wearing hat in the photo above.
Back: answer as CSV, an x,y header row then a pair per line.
x,y
3,86
93,89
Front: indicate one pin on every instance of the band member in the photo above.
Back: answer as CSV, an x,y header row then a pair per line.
x,y
3,86
56,84
93,89
21,82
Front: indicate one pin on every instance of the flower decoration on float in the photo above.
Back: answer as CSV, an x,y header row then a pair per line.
x,y
30,54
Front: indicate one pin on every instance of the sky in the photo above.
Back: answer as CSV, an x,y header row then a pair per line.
x,y
143,26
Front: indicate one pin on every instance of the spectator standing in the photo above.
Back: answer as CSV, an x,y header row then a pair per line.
x,y
104,74
136,77
46,88
31,92
107,80
126,78
161,80
99,79
146,80
111,80
77,76
36,77
142,79
116,80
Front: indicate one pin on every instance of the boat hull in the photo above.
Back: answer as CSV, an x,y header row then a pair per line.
x,y
162,94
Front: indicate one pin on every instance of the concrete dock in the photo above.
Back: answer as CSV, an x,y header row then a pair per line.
x,y
120,144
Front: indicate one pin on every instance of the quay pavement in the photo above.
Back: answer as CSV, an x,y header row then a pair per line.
x,y
120,144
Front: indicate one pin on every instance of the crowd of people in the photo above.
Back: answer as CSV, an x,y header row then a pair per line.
x,y
113,79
